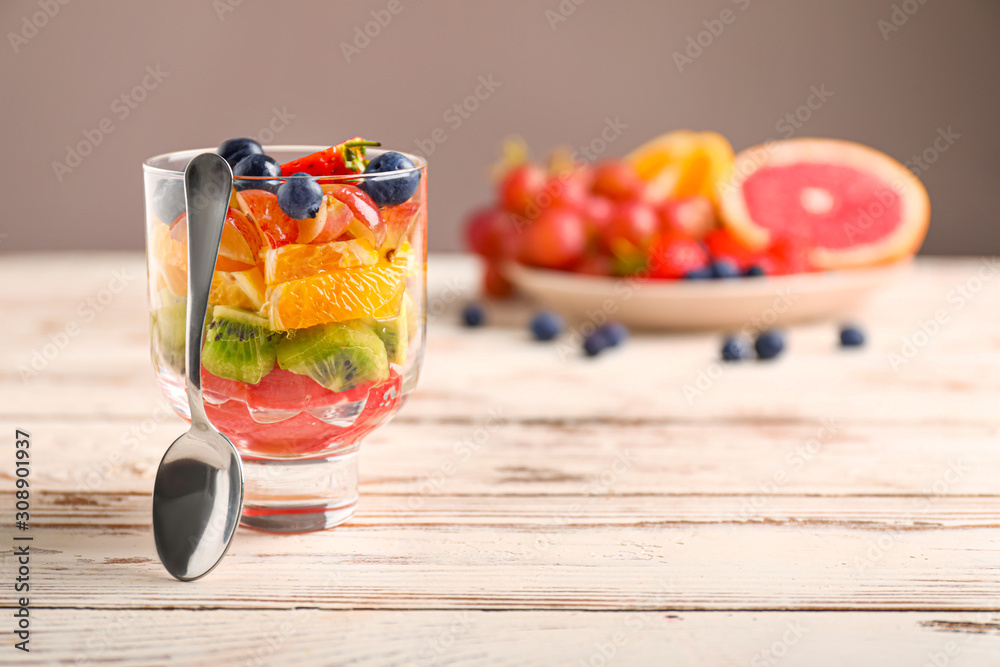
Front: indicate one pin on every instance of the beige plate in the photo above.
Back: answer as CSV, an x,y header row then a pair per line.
x,y
703,304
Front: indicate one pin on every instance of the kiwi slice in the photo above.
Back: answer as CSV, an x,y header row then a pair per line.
x,y
168,330
394,333
338,356
239,345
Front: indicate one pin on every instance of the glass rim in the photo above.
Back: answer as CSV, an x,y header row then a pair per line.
x,y
419,163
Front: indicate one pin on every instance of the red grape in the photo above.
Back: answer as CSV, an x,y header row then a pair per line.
x,y
631,221
555,240
693,216
520,189
490,233
618,181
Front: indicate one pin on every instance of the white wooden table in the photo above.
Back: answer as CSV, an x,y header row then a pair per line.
x,y
530,509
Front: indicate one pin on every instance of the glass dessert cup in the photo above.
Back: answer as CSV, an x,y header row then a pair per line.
x,y
315,331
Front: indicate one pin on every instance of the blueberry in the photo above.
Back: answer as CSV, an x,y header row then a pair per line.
x,y
755,271
546,325
852,336
473,315
391,190
234,150
703,273
735,348
300,198
257,165
769,344
168,199
614,333
595,343
725,268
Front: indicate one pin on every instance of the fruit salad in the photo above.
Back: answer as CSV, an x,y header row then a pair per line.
x,y
683,206
316,313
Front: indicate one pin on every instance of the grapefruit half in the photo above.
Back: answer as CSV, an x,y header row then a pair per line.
x,y
852,205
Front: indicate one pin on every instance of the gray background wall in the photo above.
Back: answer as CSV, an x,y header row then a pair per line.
x,y
226,66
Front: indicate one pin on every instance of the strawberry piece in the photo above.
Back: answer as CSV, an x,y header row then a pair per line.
x,y
675,255
345,158
723,245
788,255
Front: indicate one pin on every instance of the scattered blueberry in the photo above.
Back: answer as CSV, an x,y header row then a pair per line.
x,y
546,325
725,268
473,315
703,273
755,271
615,333
234,150
300,198
769,344
391,189
852,336
168,199
595,343
257,165
735,348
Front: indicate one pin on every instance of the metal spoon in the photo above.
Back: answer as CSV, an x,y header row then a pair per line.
x,y
198,494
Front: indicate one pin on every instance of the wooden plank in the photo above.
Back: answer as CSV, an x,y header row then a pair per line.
x,y
318,637
493,458
571,553
951,378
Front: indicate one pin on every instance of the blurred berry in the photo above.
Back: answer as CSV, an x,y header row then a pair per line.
x,y
735,348
546,325
769,344
725,268
594,344
852,335
615,333
703,273
473,315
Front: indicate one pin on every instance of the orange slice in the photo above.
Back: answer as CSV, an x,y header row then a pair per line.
x,y
341,294
684,163
302,260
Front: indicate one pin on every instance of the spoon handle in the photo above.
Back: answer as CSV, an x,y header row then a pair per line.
x,y
208,184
